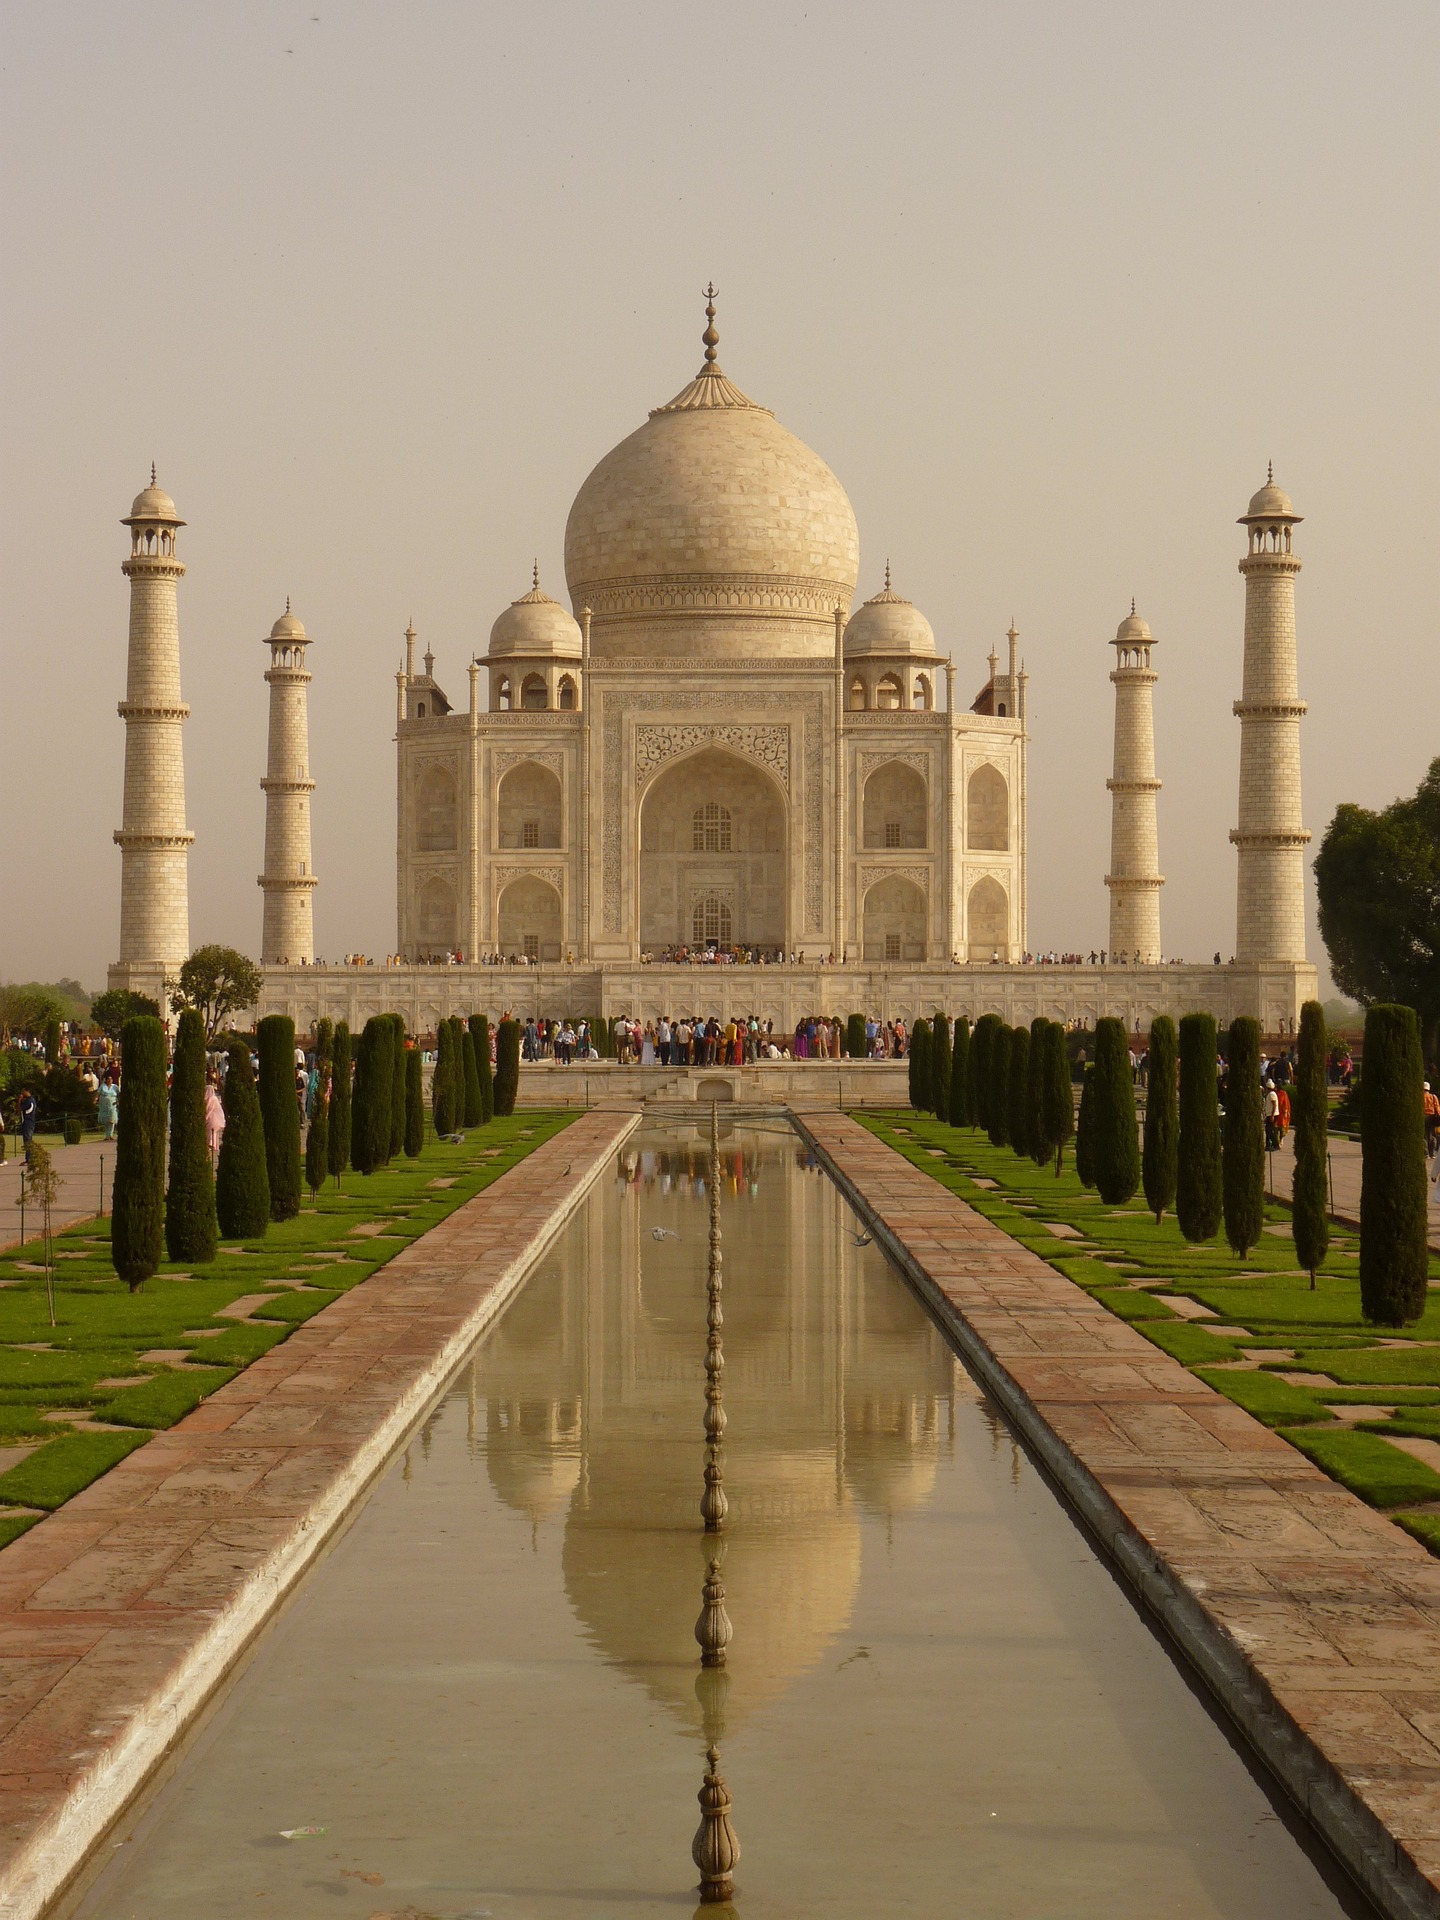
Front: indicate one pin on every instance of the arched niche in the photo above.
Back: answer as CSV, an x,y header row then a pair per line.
x,y
855,699
436,919
566,698
897,806
528,810
534,697
987,919
923,693
437,811
712,797
895,920
890,692
529,919
987,811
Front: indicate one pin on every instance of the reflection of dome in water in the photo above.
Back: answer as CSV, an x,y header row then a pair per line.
x,y
532,1449
892,1451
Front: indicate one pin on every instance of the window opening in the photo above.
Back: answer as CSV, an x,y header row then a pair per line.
x,y
711,829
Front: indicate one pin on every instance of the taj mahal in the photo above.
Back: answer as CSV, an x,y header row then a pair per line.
x,y
718,752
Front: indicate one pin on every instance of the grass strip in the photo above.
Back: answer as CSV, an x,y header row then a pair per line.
x,y
1384,1475
1275,1403
65,1466
168,1397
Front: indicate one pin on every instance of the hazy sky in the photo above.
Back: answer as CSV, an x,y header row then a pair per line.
x,y
377,285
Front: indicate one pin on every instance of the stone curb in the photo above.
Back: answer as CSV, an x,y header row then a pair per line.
x,y
53,1850
1352,1830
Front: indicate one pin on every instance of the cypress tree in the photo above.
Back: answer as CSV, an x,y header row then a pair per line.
x,y
1019,1090
1116,1135
317,1139
1199,1202
279,1114
981,1042
855,1036
191,1233
398,1052
960,1109
370,1099
1036,1135
1160,1162
919,1057
1242,1160
442,1081
940,1067
484,1066
474,1111
137,1224
242,1185
1058,1100
1085,1130
997,1087
507,1067
1309,1106
339,1155
414,1103
1394,1255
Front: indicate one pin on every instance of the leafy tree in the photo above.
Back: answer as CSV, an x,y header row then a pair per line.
x,y
1394,1254
1058,1101
1085,1130
484,1066
855,1045
217,981
1378,880
442,1081
1160,1162
242,1186
940,1067
1309,1109
137,1226
921,1098
339,1143
317,1139
474,1100
1199,1188
28,1009
1243,1157
961,1113
1116,1131
1018,1091
398,1094
110,1010
1036,1136
191,1231
279,1113
997,1095
414,1103
507,1067
50,1040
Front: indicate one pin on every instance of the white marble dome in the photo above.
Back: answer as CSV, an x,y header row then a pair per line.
x,y
888,623
534,624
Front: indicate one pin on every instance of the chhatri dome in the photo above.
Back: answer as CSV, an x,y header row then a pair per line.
x,y
889,623
534,624
713,531
153,503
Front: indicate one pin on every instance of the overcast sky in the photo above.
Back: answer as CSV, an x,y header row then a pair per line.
x,y
376,286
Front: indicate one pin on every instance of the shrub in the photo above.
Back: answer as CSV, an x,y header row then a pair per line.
x,y
1160,1161
191,1231
484,1067
474,1110
242,1185
1085,1130
138,1208
1243,1155
1309,1104
1116,1132
396,1142
1018,1091
1058,1100
414,1103
279,1113
1393,1251
919,1070
1036,1138
507,1067
1199,1205
339,1146
940,1067
997,1093
961,1114
442,1080
74,1131
855,1036
317,1139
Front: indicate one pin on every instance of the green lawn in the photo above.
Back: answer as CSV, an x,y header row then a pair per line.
x,y
92,1366
1137,1270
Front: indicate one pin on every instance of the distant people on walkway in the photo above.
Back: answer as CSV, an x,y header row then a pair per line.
x,y
107,1104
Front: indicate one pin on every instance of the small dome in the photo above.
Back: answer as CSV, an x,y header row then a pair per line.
x,y
287,627
889,624
153,504
1132,629
1270,503
534,624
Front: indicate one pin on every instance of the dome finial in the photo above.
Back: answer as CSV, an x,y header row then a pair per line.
x,y
152,473
1269,473
710,337
887,574
535,576
1132,606
287,603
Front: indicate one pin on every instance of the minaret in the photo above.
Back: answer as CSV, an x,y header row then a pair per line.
x,y
1270,885
1134,878
154,841
288,937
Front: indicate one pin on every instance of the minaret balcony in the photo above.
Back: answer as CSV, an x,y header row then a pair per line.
x,y
143,710
1270,709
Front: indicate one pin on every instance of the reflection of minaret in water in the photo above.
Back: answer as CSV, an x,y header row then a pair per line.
x,y
713,1504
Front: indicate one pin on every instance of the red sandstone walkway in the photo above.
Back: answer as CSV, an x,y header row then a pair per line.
x,y
1316,1620
120,1613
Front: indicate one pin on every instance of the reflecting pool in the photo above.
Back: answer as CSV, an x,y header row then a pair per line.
x,y
483,1700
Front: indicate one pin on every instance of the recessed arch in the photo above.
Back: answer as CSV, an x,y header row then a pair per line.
x,y
436,811
750,873
897,805
534,697
895,921
528,919
436,916
529,810
890,692
987,918
987,811
565,693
